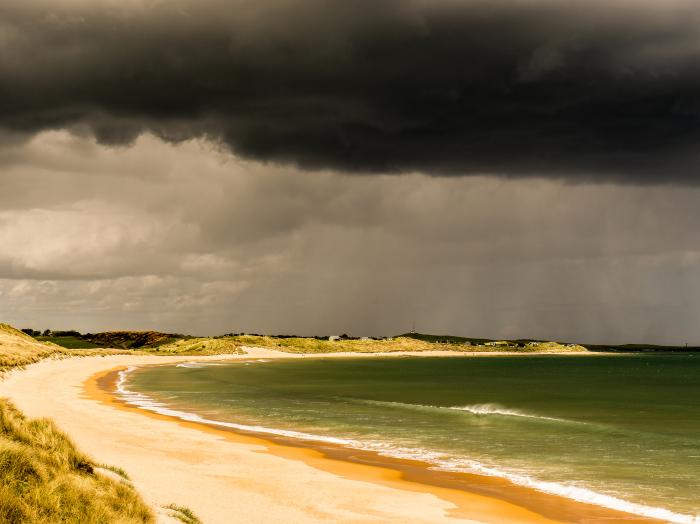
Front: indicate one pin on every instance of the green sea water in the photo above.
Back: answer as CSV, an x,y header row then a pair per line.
x,y
617,431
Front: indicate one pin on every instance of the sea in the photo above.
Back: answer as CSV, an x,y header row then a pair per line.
x,y
618,431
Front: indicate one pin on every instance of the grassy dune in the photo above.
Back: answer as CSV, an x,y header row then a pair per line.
x,y
44,479
153,342
198,346
18,349
402,343
313,345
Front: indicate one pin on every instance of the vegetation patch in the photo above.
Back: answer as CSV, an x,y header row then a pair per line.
x,y
199,346
69,342
131,339
45,479
183,514
73,339
116,470
406,342
17,349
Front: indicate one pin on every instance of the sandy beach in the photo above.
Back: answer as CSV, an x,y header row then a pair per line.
x,y
227,477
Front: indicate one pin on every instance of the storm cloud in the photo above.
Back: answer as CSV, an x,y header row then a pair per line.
x,y
529,167
187,238
583,90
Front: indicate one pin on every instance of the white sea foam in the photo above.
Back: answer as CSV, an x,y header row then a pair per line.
x,y
475,409
197,365
496,409
436,460
569,491
144,402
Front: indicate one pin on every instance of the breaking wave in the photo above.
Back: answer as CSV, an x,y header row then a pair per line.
x,y
475,409
496,409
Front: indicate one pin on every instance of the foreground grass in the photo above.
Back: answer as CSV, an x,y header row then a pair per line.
x,y
44,479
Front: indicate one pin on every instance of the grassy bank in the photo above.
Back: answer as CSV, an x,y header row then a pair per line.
x,y
197,346
45,479
18,349
401,343
69,342
158,343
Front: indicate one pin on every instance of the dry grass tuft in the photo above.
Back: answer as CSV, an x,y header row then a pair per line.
x,y
183,514
45,479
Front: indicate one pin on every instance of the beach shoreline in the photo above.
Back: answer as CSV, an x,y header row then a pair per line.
x,y
347,486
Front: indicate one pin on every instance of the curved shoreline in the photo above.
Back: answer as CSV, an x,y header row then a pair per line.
x,y
189,462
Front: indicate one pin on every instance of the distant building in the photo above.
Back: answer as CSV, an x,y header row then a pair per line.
x,y
333,338
365,338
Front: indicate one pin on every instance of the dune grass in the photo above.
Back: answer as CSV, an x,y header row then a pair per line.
x,y
314,345
401,343
183,514
116,470
45,479
18,349
198,346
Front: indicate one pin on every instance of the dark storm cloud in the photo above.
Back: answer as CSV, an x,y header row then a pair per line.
x,y
593,89
188,238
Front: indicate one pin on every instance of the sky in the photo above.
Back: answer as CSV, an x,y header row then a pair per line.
x,y
500,168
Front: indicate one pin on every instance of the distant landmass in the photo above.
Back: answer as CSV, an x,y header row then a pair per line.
x,y
72,339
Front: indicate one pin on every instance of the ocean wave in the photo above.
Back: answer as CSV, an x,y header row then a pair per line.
x,y
475,409
497,409
580,494
197,365
145,402
577,493
435,460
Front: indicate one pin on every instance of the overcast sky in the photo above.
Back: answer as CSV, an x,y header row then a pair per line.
x,y
500,168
